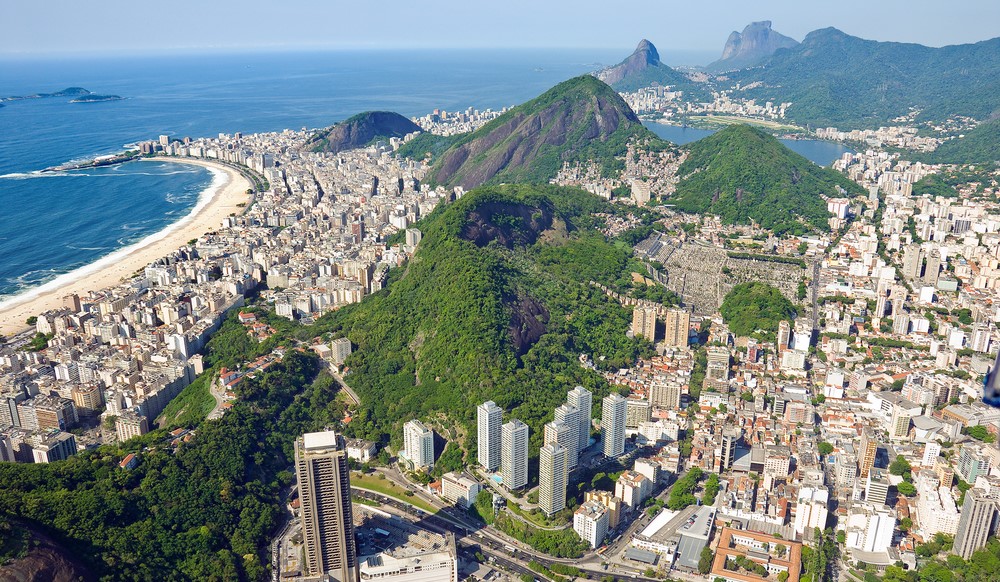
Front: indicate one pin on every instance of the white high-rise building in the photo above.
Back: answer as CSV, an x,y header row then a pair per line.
x,y
558,432
613,411
490,418
811,510
570,416
552,478
975,522
418,444
514,454
583,400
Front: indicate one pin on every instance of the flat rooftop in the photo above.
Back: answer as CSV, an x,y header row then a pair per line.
x,y
319,440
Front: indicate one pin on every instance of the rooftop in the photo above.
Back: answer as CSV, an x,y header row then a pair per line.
x,y
319,440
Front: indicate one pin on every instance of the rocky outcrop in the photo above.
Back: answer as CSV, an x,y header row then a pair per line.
x,y
751,47
643,69
46,561
644,57
360,131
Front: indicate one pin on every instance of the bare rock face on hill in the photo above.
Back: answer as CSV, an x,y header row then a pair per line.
x,y
46,562
578,119
644,57
643,68
751,47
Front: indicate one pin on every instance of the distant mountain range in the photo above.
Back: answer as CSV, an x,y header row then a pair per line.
x,y
578,119
833,78
360,131
754,45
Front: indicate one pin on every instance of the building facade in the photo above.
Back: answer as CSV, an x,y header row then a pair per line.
x,y
324,480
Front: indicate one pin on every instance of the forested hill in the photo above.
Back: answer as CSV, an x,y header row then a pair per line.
x,y
577,120
979,146
744,174
361,130
833,78
495,304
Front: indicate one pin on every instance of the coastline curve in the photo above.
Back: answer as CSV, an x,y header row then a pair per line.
x,y
225,194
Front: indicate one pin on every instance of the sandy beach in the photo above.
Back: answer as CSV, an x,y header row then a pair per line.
x,y
227,191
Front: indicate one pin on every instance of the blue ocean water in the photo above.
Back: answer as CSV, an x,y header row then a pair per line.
x,y
54,224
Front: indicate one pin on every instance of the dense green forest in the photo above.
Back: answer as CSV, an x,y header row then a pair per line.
x,y
743,174
494,305
755,309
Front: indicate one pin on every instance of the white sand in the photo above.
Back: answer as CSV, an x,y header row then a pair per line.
x,y
219,200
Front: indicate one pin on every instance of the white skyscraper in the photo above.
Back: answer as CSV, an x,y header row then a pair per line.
x,y
570,416
514,454
613,412
582,400
418,444
490,418
558,433
552,478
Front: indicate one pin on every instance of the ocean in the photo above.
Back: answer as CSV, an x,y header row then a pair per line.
x,y
55,223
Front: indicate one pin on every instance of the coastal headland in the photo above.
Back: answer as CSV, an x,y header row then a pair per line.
x,y
226,194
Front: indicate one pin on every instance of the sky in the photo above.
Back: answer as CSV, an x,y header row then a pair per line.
x,y
64,27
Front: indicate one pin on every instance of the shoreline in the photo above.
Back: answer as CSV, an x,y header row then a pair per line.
x,y
220,199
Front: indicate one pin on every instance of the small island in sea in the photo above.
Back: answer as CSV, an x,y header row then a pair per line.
x,y
79,95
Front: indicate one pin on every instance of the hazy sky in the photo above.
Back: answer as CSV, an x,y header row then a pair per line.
x,y
68,26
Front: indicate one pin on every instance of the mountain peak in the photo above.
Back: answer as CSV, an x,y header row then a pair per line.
x,y
578,119
643,69
750,47
647,51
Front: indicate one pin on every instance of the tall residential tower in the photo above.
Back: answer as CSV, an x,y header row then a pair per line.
x,y
490,418
325,494
613,411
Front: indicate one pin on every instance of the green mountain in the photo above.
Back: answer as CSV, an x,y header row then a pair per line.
x,y
643,68
495,304
360,131
836,79
743,174
578,119
979,146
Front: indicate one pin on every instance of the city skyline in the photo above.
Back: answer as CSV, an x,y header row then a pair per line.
x,y
66,28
